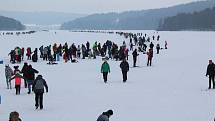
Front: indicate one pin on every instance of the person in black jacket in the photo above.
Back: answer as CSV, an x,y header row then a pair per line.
x,y
158,48
35,56
12,56
211,73
135,54
25,70
31,77
105,116
125,68
151,45
38,87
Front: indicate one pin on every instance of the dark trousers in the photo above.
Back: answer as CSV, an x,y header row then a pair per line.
x,y
29,88
105,76
211,80
39,100
135,61
17,89
149,63
41,54
45,57
26,84
158,51
30,83
29,57
79,55
124,74
54,56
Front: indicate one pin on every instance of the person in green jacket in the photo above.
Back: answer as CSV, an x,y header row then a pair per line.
x,y
105,69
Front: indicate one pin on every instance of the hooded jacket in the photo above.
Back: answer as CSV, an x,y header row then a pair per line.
x,y
39,84
124,66
103,117
105,67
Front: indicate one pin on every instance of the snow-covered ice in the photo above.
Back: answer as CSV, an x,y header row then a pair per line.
x,y
173,89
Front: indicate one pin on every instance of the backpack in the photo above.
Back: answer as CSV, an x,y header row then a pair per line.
x,y
39,85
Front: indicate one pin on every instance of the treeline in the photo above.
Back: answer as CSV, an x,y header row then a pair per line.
x,y
203,20
134,20
10,24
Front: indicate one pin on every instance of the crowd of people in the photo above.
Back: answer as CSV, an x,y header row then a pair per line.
x,y
52,54
138,43
17,33
27,75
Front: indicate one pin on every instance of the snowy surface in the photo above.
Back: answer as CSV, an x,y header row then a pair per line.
x,y
173,89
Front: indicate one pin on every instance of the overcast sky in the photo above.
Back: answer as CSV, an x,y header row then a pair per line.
x,y
86,6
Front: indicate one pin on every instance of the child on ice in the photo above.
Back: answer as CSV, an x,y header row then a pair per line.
x,y
18,78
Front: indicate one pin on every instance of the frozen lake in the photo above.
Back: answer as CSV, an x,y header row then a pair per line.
x,y
173,89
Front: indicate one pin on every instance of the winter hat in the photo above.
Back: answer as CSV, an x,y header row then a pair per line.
x,y
30,66
110,112
12,114
16,67
40,76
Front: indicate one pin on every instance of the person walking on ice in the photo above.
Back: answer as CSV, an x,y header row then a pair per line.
x,y
125,68
8,75
31,77
165,44
105,69
158,48
18,80
150,56
211,73
135,54
105,116
38,88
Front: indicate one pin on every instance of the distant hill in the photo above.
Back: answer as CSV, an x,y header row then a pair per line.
x,y
203,20
10,24
41,18
135,20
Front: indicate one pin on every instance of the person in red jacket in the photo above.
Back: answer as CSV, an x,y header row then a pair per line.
x,y
29,53
18,78
23,51
126,53
150,56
